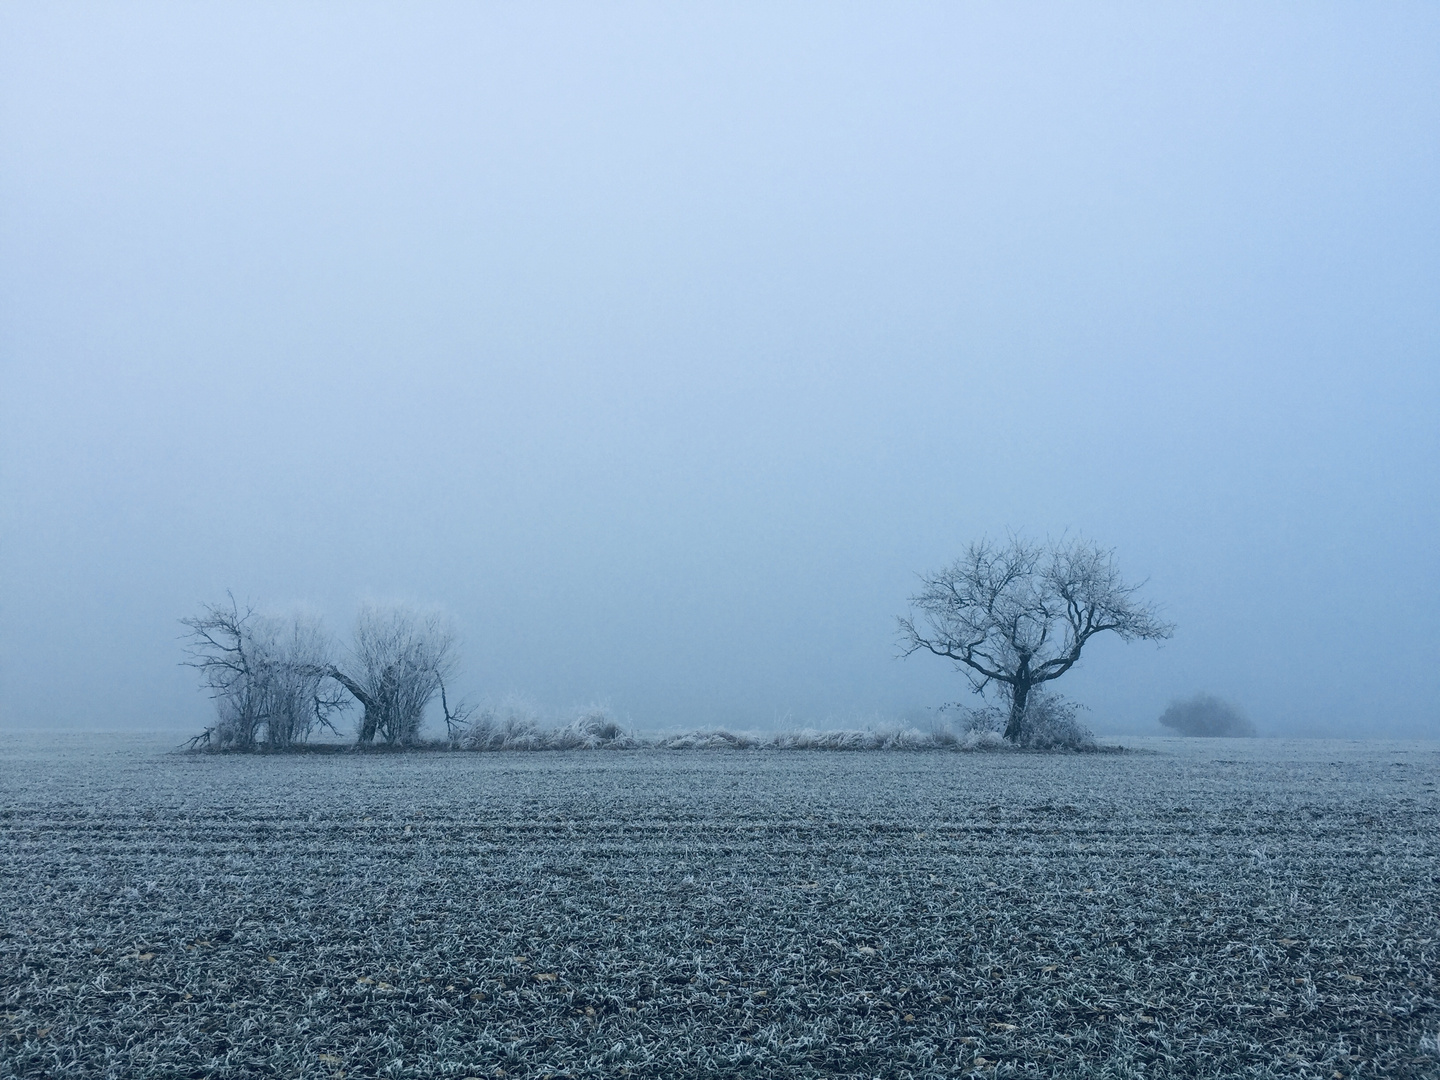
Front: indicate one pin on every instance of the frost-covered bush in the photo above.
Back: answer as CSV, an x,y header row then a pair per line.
x,y
710,740
1207,716
880,738
594,728
516,724
502,727
974,721
595,722
1052,722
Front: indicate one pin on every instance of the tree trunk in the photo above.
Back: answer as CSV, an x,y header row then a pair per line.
x,y
372,707
1019,694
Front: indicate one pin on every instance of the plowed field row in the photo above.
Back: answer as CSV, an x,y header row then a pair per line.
x,y
1201,909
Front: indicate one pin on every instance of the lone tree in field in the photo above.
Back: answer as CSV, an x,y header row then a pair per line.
x,y
1019,614
398,662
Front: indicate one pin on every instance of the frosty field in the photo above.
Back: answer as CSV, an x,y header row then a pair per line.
x,y
1201,908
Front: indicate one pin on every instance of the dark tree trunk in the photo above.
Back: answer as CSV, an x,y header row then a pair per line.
x,y
1019,694
372,707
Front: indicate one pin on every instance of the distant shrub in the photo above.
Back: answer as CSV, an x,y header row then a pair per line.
x,y
1206,716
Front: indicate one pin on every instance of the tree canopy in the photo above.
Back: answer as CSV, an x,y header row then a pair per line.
x,y
1018,613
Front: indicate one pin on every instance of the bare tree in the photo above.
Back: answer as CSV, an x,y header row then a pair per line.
x,y
1019,614
398,663
268,676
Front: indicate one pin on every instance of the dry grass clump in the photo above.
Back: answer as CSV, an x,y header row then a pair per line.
x,y
1051,723
887,738
516,724
594,729
710,740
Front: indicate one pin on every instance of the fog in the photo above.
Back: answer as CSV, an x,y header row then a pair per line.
x,y
664,346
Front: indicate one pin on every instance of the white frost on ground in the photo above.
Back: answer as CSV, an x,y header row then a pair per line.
x,y
1201,907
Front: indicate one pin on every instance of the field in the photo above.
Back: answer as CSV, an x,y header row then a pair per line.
x,y
1204,908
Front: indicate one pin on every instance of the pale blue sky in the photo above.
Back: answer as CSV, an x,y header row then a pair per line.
x,y
665,344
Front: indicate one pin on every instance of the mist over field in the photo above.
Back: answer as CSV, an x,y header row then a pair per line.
x,y
665,347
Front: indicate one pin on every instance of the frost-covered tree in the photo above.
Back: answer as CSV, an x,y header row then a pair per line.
x,y
398,662
1018,614
269,676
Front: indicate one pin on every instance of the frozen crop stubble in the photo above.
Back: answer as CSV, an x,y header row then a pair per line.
x,y
1221,909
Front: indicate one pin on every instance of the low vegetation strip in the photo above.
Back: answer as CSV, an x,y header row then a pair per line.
x,y
1202,909
1049,723
595,730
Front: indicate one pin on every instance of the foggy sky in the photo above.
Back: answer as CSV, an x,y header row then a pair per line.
x,y
665,345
